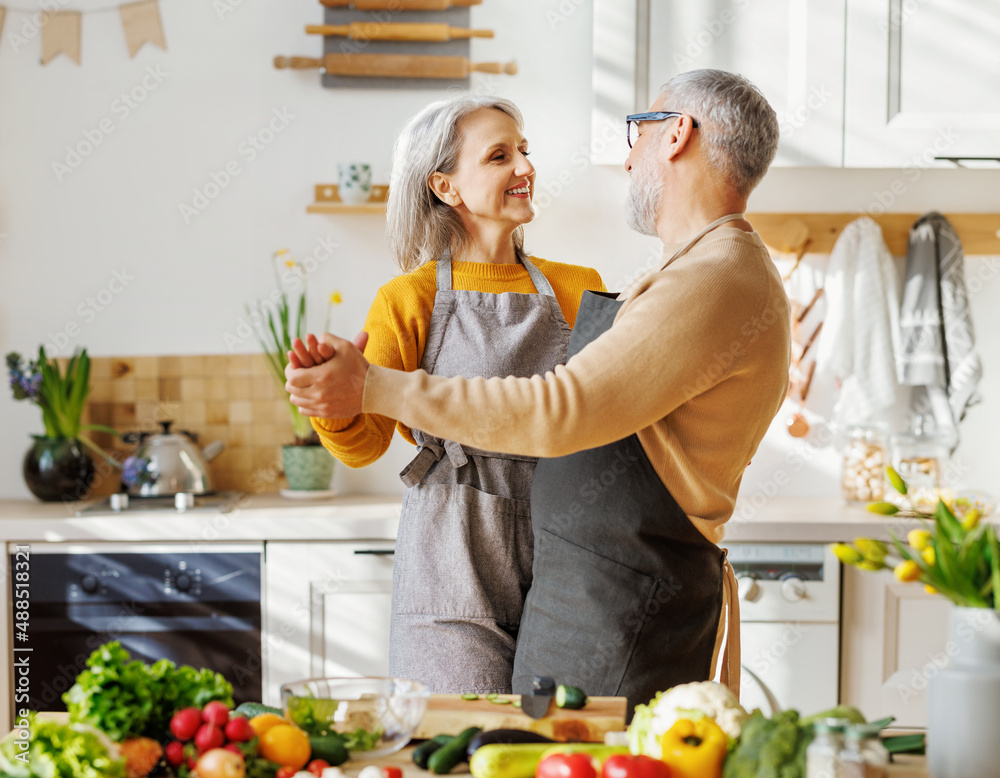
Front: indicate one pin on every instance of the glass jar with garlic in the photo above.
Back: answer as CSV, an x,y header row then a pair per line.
x,y
865,458
920,456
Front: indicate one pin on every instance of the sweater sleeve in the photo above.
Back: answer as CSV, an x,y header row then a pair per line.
x,y
361,440
656,356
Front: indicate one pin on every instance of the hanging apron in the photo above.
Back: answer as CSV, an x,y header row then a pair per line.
x,y
464,549
628,595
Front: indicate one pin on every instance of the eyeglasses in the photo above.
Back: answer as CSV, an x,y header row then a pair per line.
x,y
654,116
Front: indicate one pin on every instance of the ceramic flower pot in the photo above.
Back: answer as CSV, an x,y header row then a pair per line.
x,y
307,468
963,699
57,469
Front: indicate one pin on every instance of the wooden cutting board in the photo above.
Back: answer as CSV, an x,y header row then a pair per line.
x,y
449,714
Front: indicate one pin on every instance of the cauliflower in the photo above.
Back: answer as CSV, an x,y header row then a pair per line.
x,y
686,701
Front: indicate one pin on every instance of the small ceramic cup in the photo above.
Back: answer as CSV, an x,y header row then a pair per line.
x,y
354,182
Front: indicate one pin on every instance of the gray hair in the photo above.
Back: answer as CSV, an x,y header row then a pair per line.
x,y
739,129
421,227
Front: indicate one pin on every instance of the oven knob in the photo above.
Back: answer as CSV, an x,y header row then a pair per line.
x,y
748,587
182,582
90,584
793,588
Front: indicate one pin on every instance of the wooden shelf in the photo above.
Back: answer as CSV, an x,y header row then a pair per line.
x,y
979,232
328,200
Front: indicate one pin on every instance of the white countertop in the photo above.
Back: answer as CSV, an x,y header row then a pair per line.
x,y
372,517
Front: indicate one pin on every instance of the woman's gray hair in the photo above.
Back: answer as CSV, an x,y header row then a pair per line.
x,y
421,227
739,129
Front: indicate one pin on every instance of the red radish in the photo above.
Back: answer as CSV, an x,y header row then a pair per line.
x,y
208,737
392,772
285,772
216,713
239,730
317,766
185,723
234,747
174,752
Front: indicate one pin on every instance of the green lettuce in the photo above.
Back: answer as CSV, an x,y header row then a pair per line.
x,y
58,750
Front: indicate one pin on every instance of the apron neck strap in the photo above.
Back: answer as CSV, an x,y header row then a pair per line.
x,y
444,281
729,217
444,272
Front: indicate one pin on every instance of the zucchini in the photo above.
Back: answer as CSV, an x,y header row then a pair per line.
x,y
423,752
250,709
571,697
328,747
498,760
504,737
446,758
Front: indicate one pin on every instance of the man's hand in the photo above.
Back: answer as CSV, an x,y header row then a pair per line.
x,y
331,389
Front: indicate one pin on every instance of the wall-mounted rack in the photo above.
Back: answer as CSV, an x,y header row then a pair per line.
x,y
979,232
328,200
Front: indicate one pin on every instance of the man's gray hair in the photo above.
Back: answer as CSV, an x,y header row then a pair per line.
x,y
421,227
739,129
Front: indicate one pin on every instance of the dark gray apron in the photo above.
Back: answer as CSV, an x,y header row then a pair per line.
x,y
627,594
464,549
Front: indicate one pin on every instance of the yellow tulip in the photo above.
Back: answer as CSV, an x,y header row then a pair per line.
x,y
971,520
907,571
930,589
873,566
928,555
847,554
919,538
335,298
871,549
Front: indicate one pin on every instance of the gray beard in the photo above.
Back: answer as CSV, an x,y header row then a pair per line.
x,y
645,192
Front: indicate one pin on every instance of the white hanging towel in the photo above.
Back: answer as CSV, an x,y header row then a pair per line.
x,y
858,345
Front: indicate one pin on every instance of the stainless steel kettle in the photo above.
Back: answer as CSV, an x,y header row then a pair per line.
x,y
176,463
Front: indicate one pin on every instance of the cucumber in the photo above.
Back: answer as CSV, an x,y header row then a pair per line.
x,y
250,709
423,752
505,737
328,747
498,760
571,697
451,754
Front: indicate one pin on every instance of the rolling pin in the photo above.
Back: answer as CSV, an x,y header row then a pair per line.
x,y
398,5
379,31
395,65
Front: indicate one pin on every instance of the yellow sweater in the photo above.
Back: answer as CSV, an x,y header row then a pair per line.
x,y
397,327
696,363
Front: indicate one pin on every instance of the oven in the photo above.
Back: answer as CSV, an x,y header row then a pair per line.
x,y
790,625
195,604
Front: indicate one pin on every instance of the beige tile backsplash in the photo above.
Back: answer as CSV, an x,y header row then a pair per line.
x,y
232,398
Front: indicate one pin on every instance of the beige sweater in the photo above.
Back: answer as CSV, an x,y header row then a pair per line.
x,y
696,363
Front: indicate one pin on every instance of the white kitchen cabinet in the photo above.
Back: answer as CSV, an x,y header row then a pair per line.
x,y
893,641
326,611
923,82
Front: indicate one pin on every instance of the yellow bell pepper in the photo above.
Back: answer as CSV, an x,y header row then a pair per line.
x,y
694,749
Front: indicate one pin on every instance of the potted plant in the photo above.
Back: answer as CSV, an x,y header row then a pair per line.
x,y
955,554
56,468
308,465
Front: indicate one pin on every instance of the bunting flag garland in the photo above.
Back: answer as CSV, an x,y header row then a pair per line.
x,y
142,25
60,30
61,35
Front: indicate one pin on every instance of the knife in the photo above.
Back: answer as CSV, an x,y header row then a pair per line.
x,y
537,703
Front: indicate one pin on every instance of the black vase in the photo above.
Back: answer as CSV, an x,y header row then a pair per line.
x,y
57,469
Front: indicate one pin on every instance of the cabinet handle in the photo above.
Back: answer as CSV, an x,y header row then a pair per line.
x,y
376,551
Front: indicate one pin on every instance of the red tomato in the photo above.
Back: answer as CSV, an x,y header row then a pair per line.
x,y
216,713
626,766
392,772
208,737
567,766
185,723
239,730
317,766
285,772
174,753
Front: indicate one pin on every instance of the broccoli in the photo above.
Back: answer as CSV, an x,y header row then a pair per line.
x,y
770,748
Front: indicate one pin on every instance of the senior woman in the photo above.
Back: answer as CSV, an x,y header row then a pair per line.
x,y
471,303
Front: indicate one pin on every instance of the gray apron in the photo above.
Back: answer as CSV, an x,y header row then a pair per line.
x,y
627,593
464,548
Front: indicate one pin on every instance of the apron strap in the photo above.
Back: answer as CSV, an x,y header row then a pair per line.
x,y
444,272
729,626
444,281
729,217
432,450
542,285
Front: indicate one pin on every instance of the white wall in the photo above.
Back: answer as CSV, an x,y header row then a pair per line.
x,y
118,210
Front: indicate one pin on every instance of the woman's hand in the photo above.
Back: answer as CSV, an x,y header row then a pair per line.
x,y
334,387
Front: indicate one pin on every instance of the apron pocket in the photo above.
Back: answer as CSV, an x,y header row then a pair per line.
x,y
462,553
582,618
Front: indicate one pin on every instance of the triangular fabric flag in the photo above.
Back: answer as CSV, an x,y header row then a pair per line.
x,y
142,25
61,35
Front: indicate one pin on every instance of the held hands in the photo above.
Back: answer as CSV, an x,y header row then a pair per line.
x,y
325,376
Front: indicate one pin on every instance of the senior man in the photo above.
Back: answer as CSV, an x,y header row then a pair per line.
x,y
645,433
